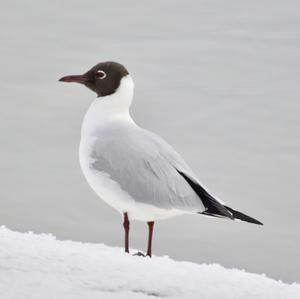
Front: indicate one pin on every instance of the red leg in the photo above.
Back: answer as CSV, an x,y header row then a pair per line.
x,y
150,226
126,228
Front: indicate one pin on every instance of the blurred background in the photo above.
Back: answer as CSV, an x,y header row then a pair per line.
x,y
219,80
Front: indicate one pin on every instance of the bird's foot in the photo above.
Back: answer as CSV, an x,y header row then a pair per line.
x,y
139,253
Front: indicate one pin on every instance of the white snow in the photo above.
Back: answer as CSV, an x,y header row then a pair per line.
x,y
39,266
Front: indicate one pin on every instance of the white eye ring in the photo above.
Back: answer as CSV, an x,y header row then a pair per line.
x,y
101,74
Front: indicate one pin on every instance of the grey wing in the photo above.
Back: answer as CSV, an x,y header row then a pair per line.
x,y
146,167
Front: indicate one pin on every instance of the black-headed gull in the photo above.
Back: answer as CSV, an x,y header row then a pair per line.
x,y
131,169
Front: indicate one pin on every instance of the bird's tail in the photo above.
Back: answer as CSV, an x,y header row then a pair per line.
x,y
213,207
234,215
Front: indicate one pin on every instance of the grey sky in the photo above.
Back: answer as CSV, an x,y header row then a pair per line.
x,y
218,80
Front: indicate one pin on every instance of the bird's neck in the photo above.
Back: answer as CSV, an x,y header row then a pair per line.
x,y
108,108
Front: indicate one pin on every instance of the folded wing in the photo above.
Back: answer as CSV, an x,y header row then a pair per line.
x,y
144,166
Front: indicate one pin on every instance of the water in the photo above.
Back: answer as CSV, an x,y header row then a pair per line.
x,y
219,81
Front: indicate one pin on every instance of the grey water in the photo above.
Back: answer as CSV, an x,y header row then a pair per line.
x,y
219,80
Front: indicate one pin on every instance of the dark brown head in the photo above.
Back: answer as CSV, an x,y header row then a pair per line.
x,y
104,78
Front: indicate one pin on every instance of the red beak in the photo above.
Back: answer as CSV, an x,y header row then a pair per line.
x,y
74,78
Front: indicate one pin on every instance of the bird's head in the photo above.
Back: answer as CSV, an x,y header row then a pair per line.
x,y
104,78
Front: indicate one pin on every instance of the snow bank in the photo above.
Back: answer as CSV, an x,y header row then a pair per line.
x,y
39,266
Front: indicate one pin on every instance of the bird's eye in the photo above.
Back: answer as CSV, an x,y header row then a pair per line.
x,y
100,74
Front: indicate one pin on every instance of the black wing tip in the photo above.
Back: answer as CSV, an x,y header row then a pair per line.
x,y
259,223
249,219
241,216
212,206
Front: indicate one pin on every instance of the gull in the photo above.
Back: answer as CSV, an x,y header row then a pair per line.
x,y
131,169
